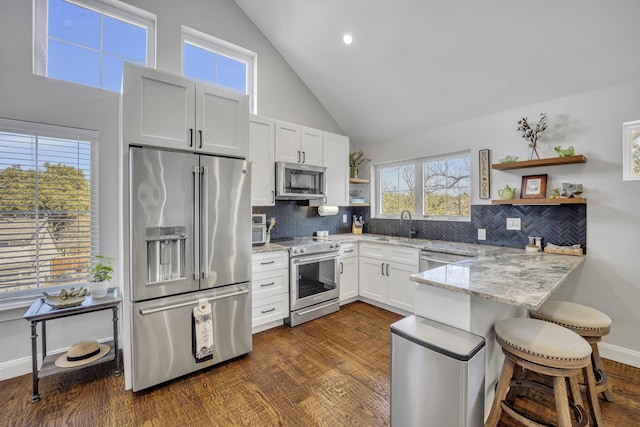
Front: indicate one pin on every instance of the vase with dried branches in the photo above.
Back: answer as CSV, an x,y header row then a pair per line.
x,y
356,158
533,134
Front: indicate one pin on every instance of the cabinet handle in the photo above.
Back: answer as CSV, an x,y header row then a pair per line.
x,y
190,137
348,250
387,269
341,268
268,262
200,132
264,285
273,196
382,266
304,157
268,311
299,156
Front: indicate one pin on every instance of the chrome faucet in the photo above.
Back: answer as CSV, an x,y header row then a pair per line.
x,y
411,232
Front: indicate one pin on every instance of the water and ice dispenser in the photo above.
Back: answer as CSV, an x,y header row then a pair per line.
x,y
165,253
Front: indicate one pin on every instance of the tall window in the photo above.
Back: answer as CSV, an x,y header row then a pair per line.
x,y
48,219
87,41
218,62
434,188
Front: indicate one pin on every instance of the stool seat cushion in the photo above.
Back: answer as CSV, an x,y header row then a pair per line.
x,y
575,316
542,339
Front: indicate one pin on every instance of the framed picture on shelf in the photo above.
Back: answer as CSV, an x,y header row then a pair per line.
x,y
534,187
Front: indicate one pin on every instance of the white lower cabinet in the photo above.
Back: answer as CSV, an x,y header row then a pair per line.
x,y
269,289
348,263
384,274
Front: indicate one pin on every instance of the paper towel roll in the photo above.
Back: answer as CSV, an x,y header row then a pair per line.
x,y
327,210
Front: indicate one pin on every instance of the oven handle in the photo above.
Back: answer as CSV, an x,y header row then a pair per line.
x,y
306,260
193,302
315,308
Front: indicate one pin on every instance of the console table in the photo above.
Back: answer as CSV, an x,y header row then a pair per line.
x,y
40,312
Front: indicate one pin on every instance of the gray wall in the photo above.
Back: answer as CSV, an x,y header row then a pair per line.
x,y
592,123
24,96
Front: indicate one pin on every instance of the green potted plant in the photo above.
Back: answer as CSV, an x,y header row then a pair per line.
x,y
101,274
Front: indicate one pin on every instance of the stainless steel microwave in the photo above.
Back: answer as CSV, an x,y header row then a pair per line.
x,y
295,181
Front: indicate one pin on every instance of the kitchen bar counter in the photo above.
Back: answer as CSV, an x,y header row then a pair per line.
x,y
507,275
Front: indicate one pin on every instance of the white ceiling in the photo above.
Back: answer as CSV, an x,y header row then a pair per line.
x,y
420,64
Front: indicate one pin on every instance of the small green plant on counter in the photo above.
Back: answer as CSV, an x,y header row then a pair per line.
x,y
102,270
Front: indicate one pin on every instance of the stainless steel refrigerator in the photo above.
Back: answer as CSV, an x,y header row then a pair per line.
x,y
190,239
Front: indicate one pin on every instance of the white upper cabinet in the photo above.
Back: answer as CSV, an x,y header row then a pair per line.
x,y
311,146
298,144
222,121
165,110
261,155
335,154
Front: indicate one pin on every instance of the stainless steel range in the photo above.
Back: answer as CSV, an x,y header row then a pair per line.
x,y
314,278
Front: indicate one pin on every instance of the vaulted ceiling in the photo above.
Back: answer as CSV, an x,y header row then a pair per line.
x,y
419,64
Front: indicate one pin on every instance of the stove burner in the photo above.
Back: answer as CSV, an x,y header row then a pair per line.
x,y
309,245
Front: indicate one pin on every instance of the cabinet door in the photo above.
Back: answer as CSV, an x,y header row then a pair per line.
x,y
348,277
372,279
311,146
402,291
288,142
158,108
222,122
335,155
261,155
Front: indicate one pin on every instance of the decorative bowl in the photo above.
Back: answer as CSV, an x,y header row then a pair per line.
x,y
56,302
355,193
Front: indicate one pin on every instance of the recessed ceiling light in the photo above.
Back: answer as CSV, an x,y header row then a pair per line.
x,y
347,39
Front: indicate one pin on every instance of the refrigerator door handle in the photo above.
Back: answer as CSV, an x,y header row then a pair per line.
x,y
196,222
188,303
204,217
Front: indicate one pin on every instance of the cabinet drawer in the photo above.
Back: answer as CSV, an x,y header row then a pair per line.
x,y
372,250
402,255
269,261
270,309
269,283
348,250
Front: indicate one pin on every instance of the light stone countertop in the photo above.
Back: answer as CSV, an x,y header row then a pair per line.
x,y
511,276
506,275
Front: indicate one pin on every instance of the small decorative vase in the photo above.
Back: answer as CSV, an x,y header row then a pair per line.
x,y
533,151
353,172
99,289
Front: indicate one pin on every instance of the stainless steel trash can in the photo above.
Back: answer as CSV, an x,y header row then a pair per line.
x,y
437,375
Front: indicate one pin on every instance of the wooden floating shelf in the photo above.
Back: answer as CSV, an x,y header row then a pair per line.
x,y
553,161
560,201
358,204
358,181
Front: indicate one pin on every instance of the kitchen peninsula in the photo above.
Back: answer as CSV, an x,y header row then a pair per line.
x,y
476,293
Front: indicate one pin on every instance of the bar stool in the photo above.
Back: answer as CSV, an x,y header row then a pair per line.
x,y
589,323
550,351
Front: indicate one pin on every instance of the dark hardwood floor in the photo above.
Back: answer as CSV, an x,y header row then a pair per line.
x,y
333,371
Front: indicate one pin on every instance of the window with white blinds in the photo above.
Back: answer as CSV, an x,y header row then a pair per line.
x,y
48,208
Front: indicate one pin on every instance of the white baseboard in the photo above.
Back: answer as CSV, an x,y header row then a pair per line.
x,y
620,354
15,368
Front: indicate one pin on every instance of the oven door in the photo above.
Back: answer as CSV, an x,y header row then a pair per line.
x,y
314,279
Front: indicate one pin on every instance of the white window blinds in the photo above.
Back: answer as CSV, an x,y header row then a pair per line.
x,y
48,212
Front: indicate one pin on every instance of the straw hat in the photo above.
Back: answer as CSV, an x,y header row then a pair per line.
x,y
81,353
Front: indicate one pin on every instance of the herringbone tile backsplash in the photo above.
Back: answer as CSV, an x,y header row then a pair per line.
x,y
558,224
